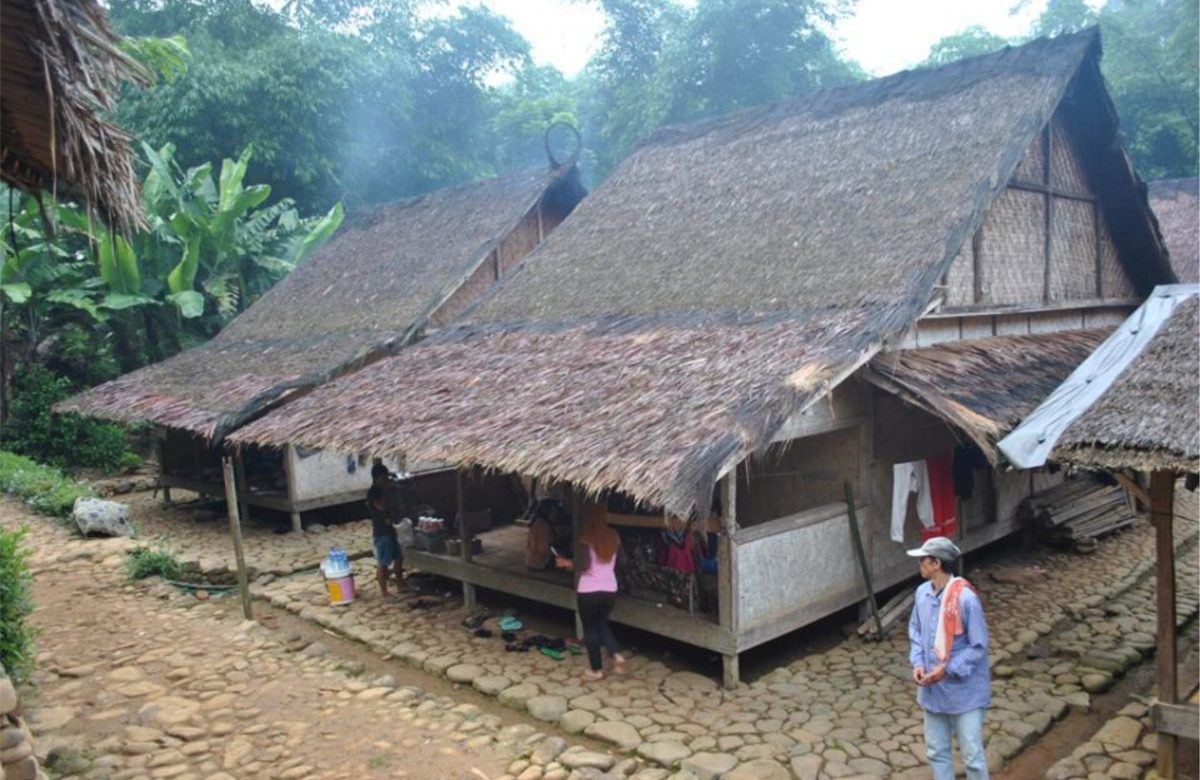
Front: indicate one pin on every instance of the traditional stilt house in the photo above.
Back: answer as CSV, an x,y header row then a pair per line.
x,y
1132,406
759,321
389,275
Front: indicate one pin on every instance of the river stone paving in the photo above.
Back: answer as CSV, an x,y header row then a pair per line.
x,y
1063,626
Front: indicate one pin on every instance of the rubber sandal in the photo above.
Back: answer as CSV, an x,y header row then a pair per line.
x,y
508,636
511,624
574,647
482,633
513,647
550,652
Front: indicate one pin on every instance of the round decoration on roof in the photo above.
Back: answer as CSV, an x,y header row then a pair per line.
x,y
562,137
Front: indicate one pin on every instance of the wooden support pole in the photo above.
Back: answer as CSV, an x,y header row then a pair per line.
x,y
289,475
235,530
580,555
464,536
239,472
727,594
861,554
1162,508
161,449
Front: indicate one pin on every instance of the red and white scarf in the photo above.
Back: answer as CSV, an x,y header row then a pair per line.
x,y
950,622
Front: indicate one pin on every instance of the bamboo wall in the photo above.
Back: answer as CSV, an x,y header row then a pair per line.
x,y
1044,240
808,473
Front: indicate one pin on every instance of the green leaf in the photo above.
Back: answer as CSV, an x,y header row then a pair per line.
x,y
190,303
183,277
119,301
118,265
17,292
321,232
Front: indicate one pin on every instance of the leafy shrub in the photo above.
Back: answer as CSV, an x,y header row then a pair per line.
x,y
45,489
60,440
16,604
144,562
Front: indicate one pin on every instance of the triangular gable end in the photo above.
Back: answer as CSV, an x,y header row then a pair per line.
x,y
1006,262
1073,222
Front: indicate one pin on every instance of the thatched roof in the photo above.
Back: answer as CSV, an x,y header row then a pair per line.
x,y
60,69
1176,203
726,275
1134,403
371,290
984,387
1150,417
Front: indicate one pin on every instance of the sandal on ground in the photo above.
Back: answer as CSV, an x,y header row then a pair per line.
x,y
550,652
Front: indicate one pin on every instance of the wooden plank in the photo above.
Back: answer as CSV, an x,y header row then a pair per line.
x,y
1029,308
1162,507
1179,720
1012,325
712,526
937,331
1055,321
239,470
860,553
1133,488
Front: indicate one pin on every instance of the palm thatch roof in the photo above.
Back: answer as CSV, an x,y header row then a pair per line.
x,y
984,387
1176,203
60,68
1149,418
726,275
371,290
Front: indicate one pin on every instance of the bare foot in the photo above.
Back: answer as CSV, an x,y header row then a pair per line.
x,y
619,663
593,676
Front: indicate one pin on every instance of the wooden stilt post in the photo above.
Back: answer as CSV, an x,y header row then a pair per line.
x,y
1162,508
239,473
161,448
578,551
727,595
235,530
289,474
464,536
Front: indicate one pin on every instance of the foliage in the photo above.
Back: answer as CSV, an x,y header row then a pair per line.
x,y
971,42
144,562
44,489
1151,48
16,605
60,440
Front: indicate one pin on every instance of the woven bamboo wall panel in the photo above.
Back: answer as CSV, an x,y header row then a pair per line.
x,y
1114,282
1067,171
1013,262
960,279
520,242
1072,251
1031,166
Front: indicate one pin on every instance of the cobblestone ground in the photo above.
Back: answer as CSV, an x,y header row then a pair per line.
x,y
1063,627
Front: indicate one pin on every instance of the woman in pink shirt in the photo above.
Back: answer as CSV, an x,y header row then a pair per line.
x,y
597,590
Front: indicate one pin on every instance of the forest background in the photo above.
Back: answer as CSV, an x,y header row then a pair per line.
x,y
329,106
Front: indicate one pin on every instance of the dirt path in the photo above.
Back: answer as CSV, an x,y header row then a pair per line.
x,y
132,686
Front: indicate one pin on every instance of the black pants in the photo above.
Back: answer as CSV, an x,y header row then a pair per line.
x,y
594,609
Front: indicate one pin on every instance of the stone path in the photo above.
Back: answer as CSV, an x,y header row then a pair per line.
x,y
1063,627
138,682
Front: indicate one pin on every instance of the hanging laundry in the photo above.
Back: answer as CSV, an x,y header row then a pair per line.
x,y
945,505
967,460
907,478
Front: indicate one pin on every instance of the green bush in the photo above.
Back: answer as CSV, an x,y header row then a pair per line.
x,y
47,490
16,604
60,439
144,562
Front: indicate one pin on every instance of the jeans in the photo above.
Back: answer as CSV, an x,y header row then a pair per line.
x,y
968,726
593,613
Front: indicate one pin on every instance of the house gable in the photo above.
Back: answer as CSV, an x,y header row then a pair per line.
x,y
1046,239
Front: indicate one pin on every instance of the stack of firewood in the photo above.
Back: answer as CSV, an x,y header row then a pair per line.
x,y
1077,512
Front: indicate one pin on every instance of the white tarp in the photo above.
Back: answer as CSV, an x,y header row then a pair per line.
x,y
1031,442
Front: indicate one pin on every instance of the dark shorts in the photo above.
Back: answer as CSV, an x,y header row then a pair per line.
x,y
387,549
